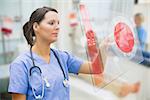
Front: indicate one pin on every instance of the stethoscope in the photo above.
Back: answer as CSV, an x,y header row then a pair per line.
x,y
37,69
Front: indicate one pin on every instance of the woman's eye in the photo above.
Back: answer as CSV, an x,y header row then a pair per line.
x,y
51,23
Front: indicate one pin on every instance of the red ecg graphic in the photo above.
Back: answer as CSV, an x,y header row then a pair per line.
x,y
93,51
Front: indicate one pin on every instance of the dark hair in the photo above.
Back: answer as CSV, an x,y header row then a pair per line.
x,y
138,14
36,16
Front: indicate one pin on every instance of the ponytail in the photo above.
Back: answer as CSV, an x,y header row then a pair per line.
x,y
28,33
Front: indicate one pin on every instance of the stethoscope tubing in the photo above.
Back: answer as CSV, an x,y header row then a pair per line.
x,y
39,97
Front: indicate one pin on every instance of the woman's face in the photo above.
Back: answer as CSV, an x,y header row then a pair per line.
x,y
47,30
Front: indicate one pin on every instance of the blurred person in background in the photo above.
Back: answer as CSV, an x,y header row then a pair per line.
x,y
142,36
141,32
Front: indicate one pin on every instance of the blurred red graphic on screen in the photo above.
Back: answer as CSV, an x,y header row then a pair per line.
x,y
124,37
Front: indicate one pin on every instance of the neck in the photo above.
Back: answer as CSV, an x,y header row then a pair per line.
x,y
41,49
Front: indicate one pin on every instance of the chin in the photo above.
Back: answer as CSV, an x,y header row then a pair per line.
x,y
52,41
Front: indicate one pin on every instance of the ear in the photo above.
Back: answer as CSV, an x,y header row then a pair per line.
x,y
35,26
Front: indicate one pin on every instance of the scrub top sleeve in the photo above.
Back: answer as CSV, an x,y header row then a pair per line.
x,y
73,63
144,36
18,78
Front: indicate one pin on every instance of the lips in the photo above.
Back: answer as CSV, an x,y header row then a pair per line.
x,y
54,34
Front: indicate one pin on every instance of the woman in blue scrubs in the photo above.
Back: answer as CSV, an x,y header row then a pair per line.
x,y
42,72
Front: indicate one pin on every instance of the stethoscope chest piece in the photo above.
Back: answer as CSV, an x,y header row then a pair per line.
x,y
48,85
66,83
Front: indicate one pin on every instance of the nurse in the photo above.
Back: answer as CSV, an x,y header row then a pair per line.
x,y
42,72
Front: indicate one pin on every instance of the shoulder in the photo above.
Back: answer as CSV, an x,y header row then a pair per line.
x,y
66,56
21,60
61,52
142,29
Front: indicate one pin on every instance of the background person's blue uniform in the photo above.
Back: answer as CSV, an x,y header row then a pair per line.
x,y
19,75
142,35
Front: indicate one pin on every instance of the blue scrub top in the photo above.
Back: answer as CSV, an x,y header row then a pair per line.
x,y
142,35
19,75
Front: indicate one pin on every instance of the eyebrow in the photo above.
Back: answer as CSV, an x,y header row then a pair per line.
x,y
53,20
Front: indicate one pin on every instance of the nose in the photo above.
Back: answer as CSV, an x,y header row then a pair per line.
x,y
57,27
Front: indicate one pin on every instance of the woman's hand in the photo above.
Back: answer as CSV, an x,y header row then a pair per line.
x,y
86,67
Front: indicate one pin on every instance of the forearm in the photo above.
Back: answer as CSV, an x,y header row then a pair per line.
x,y
16,96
